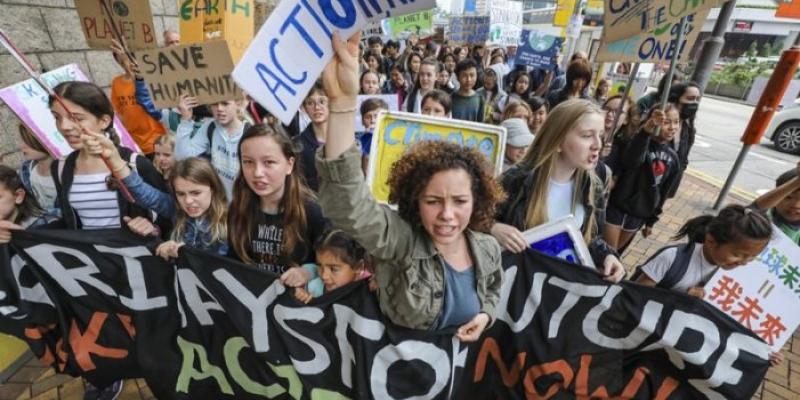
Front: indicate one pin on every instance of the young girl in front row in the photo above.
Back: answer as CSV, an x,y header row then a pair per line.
x,y
732,238
340,260
274,217
436,103
201,220
17,205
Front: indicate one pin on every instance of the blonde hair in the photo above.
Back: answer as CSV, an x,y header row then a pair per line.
x,y
199,170
165,140
31,140
542,156
513,106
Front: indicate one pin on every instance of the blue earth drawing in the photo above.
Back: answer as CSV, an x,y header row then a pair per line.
x,y
540,42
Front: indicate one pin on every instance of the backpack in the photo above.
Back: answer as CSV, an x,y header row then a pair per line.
x,y
676,270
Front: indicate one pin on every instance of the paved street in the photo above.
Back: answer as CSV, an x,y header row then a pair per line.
x,y
719,126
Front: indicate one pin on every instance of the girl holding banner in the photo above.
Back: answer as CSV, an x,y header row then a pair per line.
x,y
554,179
446,275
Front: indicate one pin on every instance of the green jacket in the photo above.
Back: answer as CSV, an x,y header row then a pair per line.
x,y
409,270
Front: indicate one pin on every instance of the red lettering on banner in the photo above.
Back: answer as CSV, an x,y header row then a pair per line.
x,y
582,381
665,390
37,333
127,323
85,344
490,348
560,367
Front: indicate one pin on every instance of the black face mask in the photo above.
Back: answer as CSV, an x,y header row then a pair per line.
x,y
688,110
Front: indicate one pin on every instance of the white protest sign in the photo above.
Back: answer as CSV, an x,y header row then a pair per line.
x,y
764,295
506,22
391,100
625,18
293,47
30,102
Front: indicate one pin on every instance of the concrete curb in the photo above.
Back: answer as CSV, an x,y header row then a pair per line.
x,y
743,194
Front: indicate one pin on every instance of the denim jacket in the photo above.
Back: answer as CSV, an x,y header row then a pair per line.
x,y
149,197
198,236
25,171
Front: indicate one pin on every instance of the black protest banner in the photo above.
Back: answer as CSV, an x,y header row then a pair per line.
x,y
202,70
213,328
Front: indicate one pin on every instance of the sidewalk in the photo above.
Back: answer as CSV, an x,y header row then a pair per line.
x,y
33,381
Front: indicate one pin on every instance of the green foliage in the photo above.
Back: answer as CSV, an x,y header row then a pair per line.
x,y
740,73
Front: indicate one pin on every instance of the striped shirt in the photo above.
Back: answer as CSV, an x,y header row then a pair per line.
x,y
96,206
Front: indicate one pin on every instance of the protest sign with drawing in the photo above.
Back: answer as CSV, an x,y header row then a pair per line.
x,y
469,29
506,22
656,45
625,18
231,20
562,239
538,49
419,23
133,19
292,48
397,131
30,103
763,295
200,70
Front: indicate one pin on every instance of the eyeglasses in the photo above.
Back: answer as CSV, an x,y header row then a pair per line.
x,y
320,101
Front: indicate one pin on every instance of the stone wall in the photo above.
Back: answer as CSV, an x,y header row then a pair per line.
x,y
49,33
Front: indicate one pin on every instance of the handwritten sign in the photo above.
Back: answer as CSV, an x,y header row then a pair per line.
x,y
469,30
200,70
30,103
397,131
231,20
294,45
763,295
656,45
538,49
419,23
392,100
506,22
625,18
133,18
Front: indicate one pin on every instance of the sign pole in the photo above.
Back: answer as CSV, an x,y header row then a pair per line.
x,y
625,95
673,63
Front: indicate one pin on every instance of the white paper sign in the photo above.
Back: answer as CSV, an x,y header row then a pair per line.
x,y
293,47
763,295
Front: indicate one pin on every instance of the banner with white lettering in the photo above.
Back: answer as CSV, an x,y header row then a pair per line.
x,y
292,48
212,328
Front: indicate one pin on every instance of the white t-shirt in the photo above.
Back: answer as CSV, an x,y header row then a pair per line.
x,y
44,189
559,202
697,273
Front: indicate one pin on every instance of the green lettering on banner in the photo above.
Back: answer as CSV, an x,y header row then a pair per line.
x,y
322,394
233,346
207,370
288,372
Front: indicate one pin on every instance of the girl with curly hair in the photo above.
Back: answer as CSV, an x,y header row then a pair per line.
x,y
556,178
435,266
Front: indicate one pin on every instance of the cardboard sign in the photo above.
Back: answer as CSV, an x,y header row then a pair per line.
x,y
655,46
469,30
538,49
133,18
397,131
294,45
392,100
564,9
373,29
763,295
560,238
200,70
420,23
506,22
626,18
30,102
232,20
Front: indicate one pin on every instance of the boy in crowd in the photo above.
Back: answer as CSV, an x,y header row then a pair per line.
x,y
370,109
782,204
467,105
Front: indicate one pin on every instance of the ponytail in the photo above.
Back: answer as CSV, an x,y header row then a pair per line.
x,y
732,224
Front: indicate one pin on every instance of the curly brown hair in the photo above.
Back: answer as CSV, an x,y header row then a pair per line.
x,y
410,175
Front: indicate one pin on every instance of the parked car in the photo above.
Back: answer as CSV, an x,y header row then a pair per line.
x,y
784,130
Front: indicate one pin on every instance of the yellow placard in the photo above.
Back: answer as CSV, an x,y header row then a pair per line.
x,y
397,131
564,9
232,20
11,349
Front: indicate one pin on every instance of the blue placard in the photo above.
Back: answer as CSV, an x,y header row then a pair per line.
x,y
559,245
538,50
